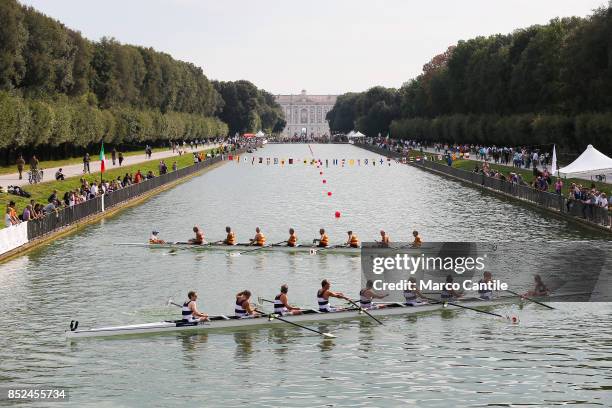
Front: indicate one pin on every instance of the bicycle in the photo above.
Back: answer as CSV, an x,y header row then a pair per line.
x,y
35,176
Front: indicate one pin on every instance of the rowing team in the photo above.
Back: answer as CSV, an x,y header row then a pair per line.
x,y
412,297
260,239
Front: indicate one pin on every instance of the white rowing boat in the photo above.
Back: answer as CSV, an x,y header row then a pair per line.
x,y
308,316
245,248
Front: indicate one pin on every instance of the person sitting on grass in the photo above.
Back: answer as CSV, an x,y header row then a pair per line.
x,y
59,175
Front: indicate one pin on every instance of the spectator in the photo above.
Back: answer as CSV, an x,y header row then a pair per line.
x,y
150,175
138,177
59,175
163,169
53,197
86,161
8,221
174,166
558,186
120,158
27,213
13,213
114,155
20,164
47,209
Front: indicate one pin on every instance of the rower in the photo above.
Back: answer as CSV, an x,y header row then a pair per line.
x,y
293,240
448,293
417,240
190,310
243,307
484,292
260,238
413,297
281,303
353,240
367,294
231,237
540,288
323,296
384,239
322,242
154,239
199,237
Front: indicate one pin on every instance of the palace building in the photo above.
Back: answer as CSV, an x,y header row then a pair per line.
x,y
305,114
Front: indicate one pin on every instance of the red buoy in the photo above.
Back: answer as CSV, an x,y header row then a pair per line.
x,y
324,181
329,193
321,173
337,214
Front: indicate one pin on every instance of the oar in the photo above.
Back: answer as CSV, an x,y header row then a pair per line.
x,y
363,310
253,250
273,316
469,308
529,299
260,301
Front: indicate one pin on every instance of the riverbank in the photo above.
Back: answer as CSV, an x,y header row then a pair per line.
x,y
552,204
69,219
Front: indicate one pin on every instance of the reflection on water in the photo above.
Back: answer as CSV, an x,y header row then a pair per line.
x,y
552,357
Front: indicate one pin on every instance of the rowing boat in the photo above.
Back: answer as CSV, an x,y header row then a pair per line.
x,y
244,247
312,316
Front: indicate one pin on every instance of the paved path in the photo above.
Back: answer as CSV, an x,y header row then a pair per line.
x,y
77,169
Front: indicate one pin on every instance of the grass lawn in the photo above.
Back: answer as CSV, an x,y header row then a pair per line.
x,y
41,192
73,160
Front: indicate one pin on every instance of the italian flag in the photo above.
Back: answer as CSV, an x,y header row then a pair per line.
x,y
102,159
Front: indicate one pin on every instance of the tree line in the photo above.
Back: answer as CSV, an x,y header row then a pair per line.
x,y
540,85
60,91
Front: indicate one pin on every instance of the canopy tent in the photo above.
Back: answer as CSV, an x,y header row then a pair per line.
x,y
591,162
260,134
354,135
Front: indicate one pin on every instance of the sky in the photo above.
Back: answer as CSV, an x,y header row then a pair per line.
x,y
322,46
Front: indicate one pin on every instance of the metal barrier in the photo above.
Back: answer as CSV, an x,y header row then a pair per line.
x,y
552,201
68,215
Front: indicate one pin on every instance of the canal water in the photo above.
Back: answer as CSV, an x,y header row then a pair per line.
x,y
450,358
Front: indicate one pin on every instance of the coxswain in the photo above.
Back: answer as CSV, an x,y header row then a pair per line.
x,y
413,297
231,237
322,242
353,240
154,239
384,239
448,293
324,294
190,310
293,240
367,294
417,240
281,303
540,288
484,292
199,236
243,307
260,238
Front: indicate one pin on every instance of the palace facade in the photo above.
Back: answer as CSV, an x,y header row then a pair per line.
x,y
305,114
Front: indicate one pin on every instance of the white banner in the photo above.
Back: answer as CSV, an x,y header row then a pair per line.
x,y
13,237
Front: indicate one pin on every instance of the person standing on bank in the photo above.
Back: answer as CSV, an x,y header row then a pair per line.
x,y
114,155
86,161
120,158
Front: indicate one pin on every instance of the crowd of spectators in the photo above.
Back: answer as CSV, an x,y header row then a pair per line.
x,y
90,190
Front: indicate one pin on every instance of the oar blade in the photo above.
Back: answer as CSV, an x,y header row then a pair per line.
x,y
329,335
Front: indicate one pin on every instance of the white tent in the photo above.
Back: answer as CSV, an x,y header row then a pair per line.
x,y
591,162
354,135
260,134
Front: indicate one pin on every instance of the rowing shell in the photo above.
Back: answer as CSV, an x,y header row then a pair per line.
x,y
242,247
224,322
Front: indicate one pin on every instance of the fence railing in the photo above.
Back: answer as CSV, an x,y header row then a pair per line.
x,y
551,201
68,215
